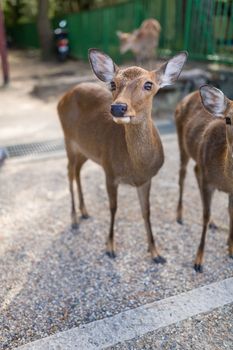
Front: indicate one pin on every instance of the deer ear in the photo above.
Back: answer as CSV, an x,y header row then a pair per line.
x,y
213,100
102,65
119,34
122,35
170,71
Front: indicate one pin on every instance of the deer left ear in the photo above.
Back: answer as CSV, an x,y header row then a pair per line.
x,y
170,71
102,65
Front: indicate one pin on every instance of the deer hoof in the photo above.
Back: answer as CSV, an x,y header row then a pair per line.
x,y
159,260
85,216
179,221
75,226
198,268
213,226
111,255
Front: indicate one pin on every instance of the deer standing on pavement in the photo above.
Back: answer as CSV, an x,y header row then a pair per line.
x,y
208,139
115,129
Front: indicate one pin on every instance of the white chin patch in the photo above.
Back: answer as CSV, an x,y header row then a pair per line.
x,y
122,120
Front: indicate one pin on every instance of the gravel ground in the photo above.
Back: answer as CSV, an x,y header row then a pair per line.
x,y
211,331
53,279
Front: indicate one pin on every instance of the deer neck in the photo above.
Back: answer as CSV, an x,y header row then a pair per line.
x,y
229,154
143,144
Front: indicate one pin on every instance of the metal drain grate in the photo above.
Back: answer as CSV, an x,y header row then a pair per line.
x,y
31,149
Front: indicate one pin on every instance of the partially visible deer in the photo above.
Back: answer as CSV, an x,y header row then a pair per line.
x,y
143,42
115,130
208,139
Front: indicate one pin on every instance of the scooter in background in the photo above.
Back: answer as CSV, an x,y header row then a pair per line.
x,y
61,41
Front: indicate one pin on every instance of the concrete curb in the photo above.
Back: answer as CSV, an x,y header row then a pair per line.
x,y
139,321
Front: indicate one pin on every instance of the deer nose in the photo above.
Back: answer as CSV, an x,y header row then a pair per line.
x,y
118,109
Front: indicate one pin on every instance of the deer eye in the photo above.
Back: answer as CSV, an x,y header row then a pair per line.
x,y
228,120
112,86
148,85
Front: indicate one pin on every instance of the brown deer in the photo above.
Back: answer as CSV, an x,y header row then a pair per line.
x,y
142,42
208,139
115,129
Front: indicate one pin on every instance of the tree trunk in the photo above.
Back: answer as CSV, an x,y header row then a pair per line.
x,y
3,52
44,29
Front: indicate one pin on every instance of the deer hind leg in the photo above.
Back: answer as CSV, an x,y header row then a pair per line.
x,y
112,195
80,160
143,195
206,195
230,238
184,158
71,175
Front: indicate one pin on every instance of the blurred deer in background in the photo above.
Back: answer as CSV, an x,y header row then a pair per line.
x,y
143,42
208,139
115,129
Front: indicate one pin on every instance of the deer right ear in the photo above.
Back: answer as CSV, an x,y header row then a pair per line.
x,y
102,65
213,100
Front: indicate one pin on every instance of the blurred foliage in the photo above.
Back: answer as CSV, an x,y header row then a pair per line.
x,y
19,11
23,11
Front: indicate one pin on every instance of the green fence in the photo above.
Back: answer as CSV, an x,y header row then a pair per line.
x,y
98,28
202,27
209,30
24,35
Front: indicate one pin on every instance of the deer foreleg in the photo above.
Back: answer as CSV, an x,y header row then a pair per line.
x,y
206,194
230,238
143,195
184,158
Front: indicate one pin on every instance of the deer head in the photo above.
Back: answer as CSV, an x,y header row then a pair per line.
x,y
133,88
216,103
126,40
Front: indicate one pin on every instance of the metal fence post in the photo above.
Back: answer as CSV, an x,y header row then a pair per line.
x,y
106,30
187,24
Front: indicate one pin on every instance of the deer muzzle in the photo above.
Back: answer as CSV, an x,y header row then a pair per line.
x,y
118,109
